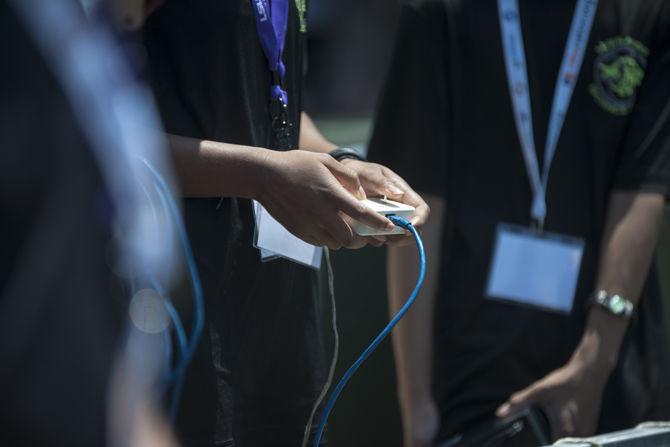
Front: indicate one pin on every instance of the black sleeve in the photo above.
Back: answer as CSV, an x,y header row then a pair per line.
x,y
411,122
644,163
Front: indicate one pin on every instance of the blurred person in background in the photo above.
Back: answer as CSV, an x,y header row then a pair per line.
x,y
228,77
464,114
54,275
65,376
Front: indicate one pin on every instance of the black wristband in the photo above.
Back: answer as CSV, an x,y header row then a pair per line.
x,y
342,153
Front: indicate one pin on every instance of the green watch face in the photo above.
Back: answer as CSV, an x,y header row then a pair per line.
x,y
617,304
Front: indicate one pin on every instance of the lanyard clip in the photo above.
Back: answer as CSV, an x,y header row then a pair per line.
x,y
282,127
537,225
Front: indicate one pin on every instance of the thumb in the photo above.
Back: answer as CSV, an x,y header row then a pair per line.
x,y
520,400
378,182
346,176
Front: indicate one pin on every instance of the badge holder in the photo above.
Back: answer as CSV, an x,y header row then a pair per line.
x,y
274,241
265,254
535,268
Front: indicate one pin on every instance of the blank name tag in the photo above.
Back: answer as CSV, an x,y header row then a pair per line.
x,y
537,269
273,241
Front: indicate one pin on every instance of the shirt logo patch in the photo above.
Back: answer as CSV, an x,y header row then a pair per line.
x,y
618,71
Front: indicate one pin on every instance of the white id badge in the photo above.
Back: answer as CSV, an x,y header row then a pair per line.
x,y
273,240
536,269
265,254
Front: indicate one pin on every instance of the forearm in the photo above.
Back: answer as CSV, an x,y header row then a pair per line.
x,y
311,138
631,233
213,169
413,337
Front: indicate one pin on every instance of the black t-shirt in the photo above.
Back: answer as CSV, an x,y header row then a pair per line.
x,y
59,322
445,123
259,366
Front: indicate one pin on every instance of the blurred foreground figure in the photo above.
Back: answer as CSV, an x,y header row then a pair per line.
x,y
543,291
71,211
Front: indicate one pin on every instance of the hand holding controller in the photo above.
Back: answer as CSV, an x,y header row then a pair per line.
x,y
385,208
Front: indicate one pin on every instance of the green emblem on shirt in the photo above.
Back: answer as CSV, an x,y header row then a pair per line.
x,y
618,71
301,6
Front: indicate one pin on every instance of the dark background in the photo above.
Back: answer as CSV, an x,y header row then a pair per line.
x,y
350,43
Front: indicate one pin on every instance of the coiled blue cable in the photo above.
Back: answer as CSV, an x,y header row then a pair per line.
x,y
198,299
167,302
398,221
182,339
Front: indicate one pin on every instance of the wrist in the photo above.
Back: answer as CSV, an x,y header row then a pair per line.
x,y
598,350
414,398
261,168
420,422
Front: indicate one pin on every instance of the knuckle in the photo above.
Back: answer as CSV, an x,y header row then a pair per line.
x,y
324,158
353,175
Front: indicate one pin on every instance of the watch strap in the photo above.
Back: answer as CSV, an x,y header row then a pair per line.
x,y
614,304
342,153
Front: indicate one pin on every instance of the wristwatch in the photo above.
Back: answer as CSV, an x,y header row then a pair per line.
x,y
614,304
342,153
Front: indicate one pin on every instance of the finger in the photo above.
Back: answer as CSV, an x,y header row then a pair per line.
x,y
327,240
346,176
358,242
319,236
555,422
338,230
520,400
567,426
409,197
314,237
362,241
394,192
400,240
372,241
420,216
355,209
421,208
380,181
381,239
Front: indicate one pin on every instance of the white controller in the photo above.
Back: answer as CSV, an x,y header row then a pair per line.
x,y
386,208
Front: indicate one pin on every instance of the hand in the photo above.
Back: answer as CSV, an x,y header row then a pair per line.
x,y
311,194
378,180
420,424
570,397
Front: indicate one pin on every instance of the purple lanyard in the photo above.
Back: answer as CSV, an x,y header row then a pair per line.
x,y
271,24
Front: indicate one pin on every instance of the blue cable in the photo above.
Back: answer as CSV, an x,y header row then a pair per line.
x,y
398,221
169,306
198,300
172,311
176,321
